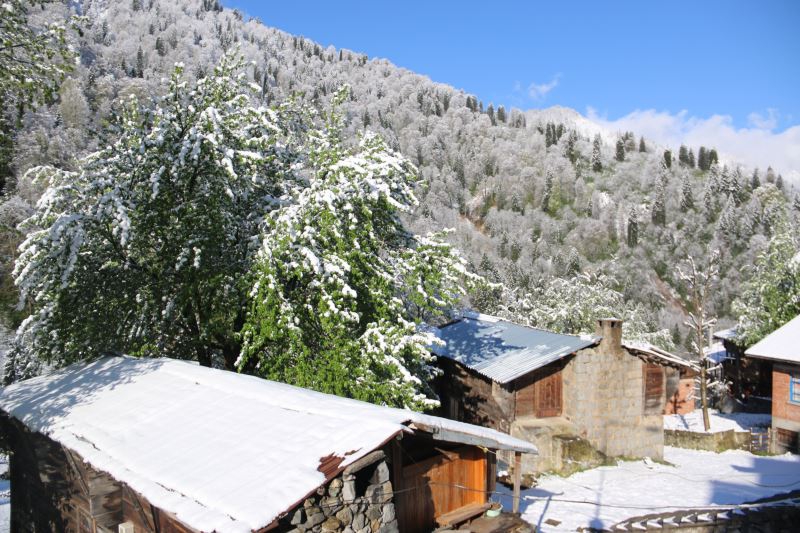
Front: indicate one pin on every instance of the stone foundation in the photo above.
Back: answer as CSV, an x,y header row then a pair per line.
x,y
360,500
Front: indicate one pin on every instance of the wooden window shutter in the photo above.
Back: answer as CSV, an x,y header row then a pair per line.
x,y
653,388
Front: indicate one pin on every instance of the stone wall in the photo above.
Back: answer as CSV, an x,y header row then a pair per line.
x,y
360,500
712,442
604,399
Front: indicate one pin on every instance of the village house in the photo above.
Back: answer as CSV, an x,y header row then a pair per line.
x,y
781,349
750,379
570,395
159,445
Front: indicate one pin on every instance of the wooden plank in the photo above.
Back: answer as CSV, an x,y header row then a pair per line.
x,y
548,395
462,514
517,480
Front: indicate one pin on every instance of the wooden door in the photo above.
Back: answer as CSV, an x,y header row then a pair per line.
x,y
548,396
438,485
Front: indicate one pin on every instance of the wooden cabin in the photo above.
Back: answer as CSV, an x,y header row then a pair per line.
x,y
554,390
781,350
159,445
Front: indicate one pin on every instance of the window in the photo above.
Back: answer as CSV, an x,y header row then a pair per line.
x,y
794,388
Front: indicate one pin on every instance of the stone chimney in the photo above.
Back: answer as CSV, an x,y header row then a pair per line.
x,y
611,331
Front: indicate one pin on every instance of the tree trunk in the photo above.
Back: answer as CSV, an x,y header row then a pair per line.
x,y
704,395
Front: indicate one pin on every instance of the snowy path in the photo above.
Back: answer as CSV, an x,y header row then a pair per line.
x,y
719,421
604,496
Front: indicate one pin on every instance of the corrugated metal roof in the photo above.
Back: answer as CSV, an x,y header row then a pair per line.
x,y
501,350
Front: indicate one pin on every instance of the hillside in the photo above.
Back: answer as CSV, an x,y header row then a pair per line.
x,y
526,195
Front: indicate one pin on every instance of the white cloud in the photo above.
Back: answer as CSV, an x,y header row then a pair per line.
x,y
538,91
756,146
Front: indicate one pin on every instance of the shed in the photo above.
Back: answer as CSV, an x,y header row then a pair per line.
x,y
553,389
781,349
165,445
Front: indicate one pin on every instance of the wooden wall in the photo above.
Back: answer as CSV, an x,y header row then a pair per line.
x,y
53,489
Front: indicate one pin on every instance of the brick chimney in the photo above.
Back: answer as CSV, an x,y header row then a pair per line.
x,y
611,331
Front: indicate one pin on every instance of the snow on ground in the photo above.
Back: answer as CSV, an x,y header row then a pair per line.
x,y
5,496
719,421
604,496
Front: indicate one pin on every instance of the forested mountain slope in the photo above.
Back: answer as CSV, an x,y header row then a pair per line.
x,y
531,195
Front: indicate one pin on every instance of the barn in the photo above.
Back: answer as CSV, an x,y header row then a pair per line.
x,y
159,445
570,395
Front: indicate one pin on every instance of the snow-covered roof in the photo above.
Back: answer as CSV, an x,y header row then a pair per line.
x,y
501,350
656,353
783,344
221,451
725,334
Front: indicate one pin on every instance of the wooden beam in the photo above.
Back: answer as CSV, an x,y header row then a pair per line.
x,y
517,480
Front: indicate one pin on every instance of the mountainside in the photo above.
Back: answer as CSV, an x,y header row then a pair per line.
x,y
530,194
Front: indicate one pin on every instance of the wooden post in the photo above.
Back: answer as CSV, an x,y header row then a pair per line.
x,y
517,480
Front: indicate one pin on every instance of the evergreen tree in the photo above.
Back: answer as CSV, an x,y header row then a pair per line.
x,y
659,209
755,182
139,63
702,159
490,112
620,155
547,195
770,175
597,164
633,228
691,160
501,114
668,158
683,155
779,182
687,197
570,151
161,48
712,157
642,147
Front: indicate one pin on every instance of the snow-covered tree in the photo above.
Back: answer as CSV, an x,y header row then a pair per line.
x,y
771,295
573,305
341,287
144,249
597,162
698,282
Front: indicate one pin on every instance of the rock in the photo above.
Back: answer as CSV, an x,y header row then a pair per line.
x,y
389,528
298,517
359,522
331,524
381,474
330,505
349,491
388,513
315,519
345,516
375,525
374,512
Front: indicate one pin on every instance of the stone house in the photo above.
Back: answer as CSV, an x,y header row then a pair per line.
x,y
572,396
160,445
781,349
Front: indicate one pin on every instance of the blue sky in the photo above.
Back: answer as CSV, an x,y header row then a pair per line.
x,y
733,57
724,72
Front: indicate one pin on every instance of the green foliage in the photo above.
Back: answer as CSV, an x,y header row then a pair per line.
x,y
145,248
771,297
341,287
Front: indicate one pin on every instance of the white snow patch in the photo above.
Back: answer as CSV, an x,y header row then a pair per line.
x,y
604,496
719,422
